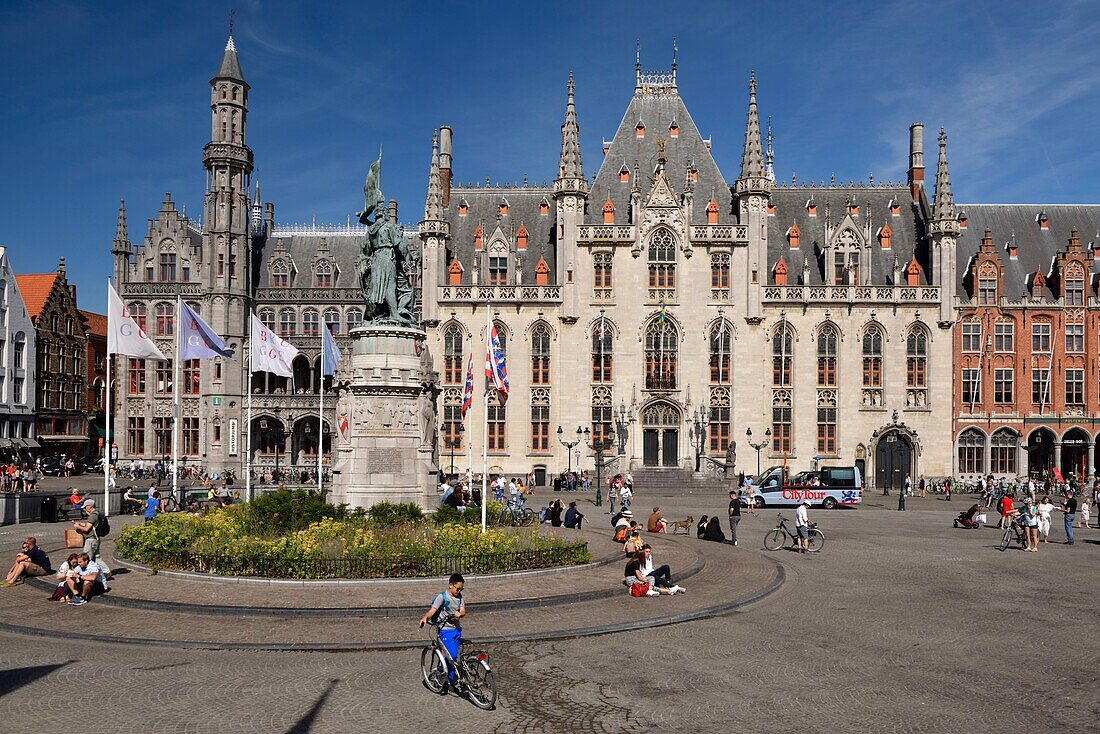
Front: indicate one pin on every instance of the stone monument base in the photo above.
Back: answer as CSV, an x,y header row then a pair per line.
x,y
385,420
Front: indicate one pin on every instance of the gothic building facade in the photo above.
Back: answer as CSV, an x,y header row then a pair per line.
x,y
661,305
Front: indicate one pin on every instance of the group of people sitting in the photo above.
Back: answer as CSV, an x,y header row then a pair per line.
x,y
557,514
79,578
642,576
709,528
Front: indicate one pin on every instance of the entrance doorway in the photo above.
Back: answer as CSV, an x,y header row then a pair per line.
x,y
661,435
1075,445
893,460
1040,452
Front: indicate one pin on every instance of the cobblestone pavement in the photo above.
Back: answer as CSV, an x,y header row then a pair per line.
x,y
901,624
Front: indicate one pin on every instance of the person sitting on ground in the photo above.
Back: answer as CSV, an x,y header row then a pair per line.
x,y
661,576
623,518
634,575
573,517
66,570
89,581
714,531
633,542
29,561
656,523
556,509
222,495
701,528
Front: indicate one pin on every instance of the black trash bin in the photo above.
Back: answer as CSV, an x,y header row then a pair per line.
x,y
49,509
557,484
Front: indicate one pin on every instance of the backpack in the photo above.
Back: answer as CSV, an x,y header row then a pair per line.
x,y
621,533
103,528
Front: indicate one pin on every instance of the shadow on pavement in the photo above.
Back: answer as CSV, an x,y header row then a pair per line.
x,y
305,724
15,678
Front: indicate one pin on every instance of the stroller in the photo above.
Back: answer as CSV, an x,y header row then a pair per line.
x,y
969,519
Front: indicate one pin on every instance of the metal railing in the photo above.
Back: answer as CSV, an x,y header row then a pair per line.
x,y
256,563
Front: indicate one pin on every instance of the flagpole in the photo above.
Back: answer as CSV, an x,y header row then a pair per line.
x,y
321,410
176,400
107,421
248,445
485,426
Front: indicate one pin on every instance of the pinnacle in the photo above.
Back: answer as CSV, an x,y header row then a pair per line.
x,y
752,158
433,205
570,166
122,236
943,206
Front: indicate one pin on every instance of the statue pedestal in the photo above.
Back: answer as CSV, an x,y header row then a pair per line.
x,y
385,420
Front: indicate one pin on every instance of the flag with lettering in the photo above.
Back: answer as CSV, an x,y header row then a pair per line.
x,y
271,353
197,339
468,390
124,336
496,368
332,352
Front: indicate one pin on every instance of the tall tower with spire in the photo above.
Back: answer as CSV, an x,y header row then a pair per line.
x,y
226,251
435,232
944,232
121,247
570,196
753,190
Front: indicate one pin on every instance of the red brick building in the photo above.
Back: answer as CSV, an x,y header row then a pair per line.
x,y
1027,377
97,378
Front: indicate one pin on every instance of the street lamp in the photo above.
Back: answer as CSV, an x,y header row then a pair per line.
x,y
599,445
767,440
700,419
453,442
623,420
569,444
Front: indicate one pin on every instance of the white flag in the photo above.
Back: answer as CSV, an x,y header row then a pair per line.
x,y
271,353
124,336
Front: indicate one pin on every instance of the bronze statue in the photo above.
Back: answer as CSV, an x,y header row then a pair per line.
x,y
385,260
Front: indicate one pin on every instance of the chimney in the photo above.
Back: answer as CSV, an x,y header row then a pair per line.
x,y
445,163
61,267
269,218
916,159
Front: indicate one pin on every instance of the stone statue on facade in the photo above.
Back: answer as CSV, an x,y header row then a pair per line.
x,y
385,260
731,458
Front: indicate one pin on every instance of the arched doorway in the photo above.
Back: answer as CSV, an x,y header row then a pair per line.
x,y
1075,446
661,423
893,460
1040,452
305,440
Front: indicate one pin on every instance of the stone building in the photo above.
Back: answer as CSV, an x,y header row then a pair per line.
x,y
61,349
1027,382
17,366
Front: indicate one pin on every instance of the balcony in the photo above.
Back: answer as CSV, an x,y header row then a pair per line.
x,y
498,293
848,294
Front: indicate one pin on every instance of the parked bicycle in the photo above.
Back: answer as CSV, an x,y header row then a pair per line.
x,y
516,515
781,536
471,673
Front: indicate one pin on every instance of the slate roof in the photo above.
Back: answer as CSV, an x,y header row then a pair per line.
x,y
657,112
35,289
790,208
1036,247
342,247
523,209
231,66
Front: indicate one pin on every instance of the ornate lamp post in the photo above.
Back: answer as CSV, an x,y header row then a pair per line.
x,y
623,420
759,445
569,445
700,420
599,446
453,442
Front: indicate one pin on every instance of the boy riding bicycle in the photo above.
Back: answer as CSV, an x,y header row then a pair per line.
x,y
447,608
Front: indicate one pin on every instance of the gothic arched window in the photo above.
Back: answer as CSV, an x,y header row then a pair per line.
x,y
826,356
872,356
138,313
782,355
452,355
310,322
287,323
916,358
602,350
972,451
267,318
661,352
166,319
540,354
721,352
662,264
322,275
332,321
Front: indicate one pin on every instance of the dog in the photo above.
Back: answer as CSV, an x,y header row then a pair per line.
x,y
684,525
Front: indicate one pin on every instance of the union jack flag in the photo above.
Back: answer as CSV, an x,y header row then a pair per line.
x,y
468,390
496,369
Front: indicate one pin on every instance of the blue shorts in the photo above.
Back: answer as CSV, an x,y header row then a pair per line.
x,y
450,636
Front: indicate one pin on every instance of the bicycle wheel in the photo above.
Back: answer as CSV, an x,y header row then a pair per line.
x,y
528,517
775,540
503,518
433,668
171,505
1004,540
816,541
480,685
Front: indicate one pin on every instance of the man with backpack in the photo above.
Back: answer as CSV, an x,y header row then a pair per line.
x,y
93,527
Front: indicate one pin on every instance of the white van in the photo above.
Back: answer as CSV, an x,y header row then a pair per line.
x,y
840,486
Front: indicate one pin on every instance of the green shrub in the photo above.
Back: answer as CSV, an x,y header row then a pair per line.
x,y
447,515
388,514
286,511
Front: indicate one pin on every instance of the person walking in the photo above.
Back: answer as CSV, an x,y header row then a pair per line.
x,y
612,495
734,514
1069,507
1045,507
1030,519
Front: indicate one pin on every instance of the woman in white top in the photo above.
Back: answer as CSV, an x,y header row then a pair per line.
x,y
1045,508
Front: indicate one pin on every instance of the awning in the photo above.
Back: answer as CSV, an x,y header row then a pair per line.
x,y
30,443
63,437
9,443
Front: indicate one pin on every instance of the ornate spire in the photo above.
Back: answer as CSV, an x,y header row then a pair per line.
x,y
122,236
943,206
433,205
570,165
752,159
230,67
769,155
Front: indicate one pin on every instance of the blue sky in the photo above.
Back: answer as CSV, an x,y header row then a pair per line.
x,y
109,101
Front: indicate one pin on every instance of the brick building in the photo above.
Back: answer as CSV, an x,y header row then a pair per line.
x,y
97,379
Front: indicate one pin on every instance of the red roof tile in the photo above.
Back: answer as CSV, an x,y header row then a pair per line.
x,y
97,322
35,289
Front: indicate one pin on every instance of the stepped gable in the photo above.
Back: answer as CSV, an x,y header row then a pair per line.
x,y
483,208
657,111
791,207
1036,247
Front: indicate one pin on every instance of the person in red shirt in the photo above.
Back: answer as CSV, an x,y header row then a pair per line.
x,y
1004,506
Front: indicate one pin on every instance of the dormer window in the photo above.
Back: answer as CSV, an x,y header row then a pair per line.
x,y
323,275
463,208
479,242
853,208
895,207
1012,247
502,208
542,272
811,208
781,272
624,174
987,291
964,220
1043,220
693,174
712,212
280,274
454,273
521,238
544,207
912,273
498,269
673,130
1037,286
885,235
794,237
608,212
639,130
1074,291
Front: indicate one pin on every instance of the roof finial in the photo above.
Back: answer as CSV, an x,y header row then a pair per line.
x,y
433,205
637,63
569,166
769,156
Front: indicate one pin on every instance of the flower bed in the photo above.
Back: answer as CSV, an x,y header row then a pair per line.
x,y
298,535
